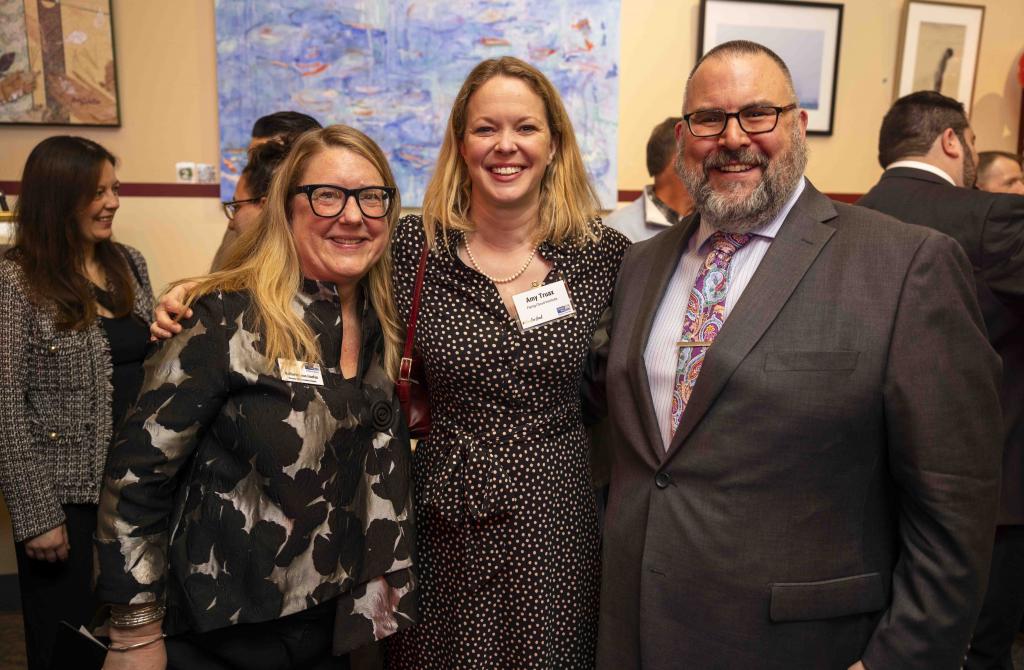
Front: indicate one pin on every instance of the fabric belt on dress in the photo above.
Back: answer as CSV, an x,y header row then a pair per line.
x,y
472,491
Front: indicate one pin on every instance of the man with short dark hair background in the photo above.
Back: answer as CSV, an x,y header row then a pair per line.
x,y
808,469
1000,172
663,203
926,147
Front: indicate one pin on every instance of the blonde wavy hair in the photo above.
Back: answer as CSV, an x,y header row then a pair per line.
x,y
568,200
264,260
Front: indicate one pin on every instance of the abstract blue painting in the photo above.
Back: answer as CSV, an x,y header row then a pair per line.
x,y
393,67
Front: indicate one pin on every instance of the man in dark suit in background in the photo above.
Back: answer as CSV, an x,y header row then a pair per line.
x,y
927,149
808,471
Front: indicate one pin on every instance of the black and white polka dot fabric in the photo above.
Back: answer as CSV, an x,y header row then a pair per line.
x,y
507,534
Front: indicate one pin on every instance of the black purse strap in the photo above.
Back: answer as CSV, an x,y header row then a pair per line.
x,y
405,369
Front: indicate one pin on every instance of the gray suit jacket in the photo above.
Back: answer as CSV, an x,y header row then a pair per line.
x,y
831,491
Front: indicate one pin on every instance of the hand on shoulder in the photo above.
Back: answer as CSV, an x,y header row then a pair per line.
x,y
170,309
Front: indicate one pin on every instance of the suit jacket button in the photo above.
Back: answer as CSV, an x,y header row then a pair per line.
x,y
53,349
662,480
53,435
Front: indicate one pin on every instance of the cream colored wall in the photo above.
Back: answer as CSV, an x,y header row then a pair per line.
x,y
167,79
659,45
167,82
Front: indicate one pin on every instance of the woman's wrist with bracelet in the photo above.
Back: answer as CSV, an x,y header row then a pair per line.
x,y
136,645
133,616
137,634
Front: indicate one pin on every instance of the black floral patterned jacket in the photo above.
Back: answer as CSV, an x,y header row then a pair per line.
x,y
239,497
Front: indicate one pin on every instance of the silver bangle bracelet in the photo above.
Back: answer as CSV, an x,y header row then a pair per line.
x,y
137,617
137,645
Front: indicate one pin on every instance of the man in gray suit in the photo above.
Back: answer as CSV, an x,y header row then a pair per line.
x,y
818,487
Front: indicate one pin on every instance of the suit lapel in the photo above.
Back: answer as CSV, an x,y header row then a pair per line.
x,y
662,265
798,242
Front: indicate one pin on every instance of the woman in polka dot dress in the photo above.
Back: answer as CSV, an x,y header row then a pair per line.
x,y
506,519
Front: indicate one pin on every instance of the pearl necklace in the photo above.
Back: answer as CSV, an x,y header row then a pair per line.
x,y
506,280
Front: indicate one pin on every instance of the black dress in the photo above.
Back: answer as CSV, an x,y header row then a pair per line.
x,y
507,534
128,337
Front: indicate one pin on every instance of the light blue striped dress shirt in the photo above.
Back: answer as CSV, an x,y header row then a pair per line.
x,y
661,354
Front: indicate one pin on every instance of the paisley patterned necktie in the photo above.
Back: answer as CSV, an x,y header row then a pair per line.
x,y
705,314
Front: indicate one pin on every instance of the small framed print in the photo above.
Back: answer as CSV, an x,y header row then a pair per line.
x,y
939,49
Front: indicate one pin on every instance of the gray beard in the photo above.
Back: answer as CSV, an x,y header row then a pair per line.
x,y
730,214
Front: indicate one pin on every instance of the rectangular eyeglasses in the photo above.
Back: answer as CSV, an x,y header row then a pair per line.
x,y
231,208
753,120
328,200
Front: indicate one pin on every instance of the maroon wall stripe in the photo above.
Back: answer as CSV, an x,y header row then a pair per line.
x,y
155,190
848,198
630,196
146,190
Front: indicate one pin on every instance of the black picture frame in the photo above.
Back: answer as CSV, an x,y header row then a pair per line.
x,y
41,84
812,30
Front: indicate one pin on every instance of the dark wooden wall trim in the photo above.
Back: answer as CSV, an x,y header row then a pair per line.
x,y
155,190
630,196
150,190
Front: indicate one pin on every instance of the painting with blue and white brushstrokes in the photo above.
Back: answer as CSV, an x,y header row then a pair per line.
x,y
393,67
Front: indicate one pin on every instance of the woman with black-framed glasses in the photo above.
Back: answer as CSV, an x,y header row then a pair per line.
x,y
256,507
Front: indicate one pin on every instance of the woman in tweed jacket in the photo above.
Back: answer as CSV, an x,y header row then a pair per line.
x,y
70,361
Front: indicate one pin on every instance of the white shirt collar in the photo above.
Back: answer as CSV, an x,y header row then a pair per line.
x,y
769,230
918,165
652,214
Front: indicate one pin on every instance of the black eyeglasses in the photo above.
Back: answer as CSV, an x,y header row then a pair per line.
x,y
753,120
327,200
231,208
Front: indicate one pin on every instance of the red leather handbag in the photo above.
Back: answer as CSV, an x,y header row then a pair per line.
x,y
413,393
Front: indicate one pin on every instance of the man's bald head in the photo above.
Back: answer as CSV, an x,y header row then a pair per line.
x,y
740,48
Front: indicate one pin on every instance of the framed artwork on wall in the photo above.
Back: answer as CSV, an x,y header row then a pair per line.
x,y
57,63
806,35
939,49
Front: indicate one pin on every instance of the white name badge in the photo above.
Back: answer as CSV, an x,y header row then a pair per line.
x,y
543,304
300,371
